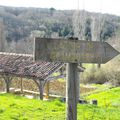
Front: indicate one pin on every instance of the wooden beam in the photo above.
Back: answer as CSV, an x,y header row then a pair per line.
x,y
41,89
14,54
47,90
7,78
40,85
21,84
55,77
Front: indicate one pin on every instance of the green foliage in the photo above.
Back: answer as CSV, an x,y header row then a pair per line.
x,y
108,72
108,30
112,71
52,10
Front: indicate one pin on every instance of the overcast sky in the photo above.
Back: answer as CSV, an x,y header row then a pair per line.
x,y
104,6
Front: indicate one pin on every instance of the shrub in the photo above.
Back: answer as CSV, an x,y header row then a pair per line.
x,y
109,72
94,75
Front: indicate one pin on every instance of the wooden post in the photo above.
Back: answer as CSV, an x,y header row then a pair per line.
x,y
39,83
71,91
47,90
8,80
99,65
78,85
41,89
21,84
7,86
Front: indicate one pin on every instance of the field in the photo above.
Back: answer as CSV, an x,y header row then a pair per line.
x,y
14,107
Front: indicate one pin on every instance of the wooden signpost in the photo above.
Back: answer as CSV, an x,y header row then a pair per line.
x,y
72,52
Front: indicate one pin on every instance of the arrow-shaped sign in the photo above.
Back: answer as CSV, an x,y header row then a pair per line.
x,y
73,51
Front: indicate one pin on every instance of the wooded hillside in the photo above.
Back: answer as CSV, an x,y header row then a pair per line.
x,y
18,25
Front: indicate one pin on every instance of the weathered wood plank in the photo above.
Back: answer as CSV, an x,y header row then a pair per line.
x,y
73,51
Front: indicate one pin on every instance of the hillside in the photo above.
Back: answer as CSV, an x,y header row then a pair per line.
x,y
23,24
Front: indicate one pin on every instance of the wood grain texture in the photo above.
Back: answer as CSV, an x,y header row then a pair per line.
x,y
73,51
71,91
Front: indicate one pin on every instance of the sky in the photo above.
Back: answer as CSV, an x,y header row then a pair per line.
x,y
103,6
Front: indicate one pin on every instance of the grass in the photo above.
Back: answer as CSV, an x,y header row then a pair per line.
x,y
96,88
14,107
19,108
109,97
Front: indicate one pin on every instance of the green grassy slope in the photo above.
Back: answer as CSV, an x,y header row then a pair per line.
x,y
19,108
110,98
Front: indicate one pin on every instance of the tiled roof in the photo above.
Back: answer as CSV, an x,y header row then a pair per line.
x,y
23,65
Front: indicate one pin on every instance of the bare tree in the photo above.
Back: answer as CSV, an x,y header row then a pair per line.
x,y
115,40
2,36
24,46
97,25
80,25
79,21
96,28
